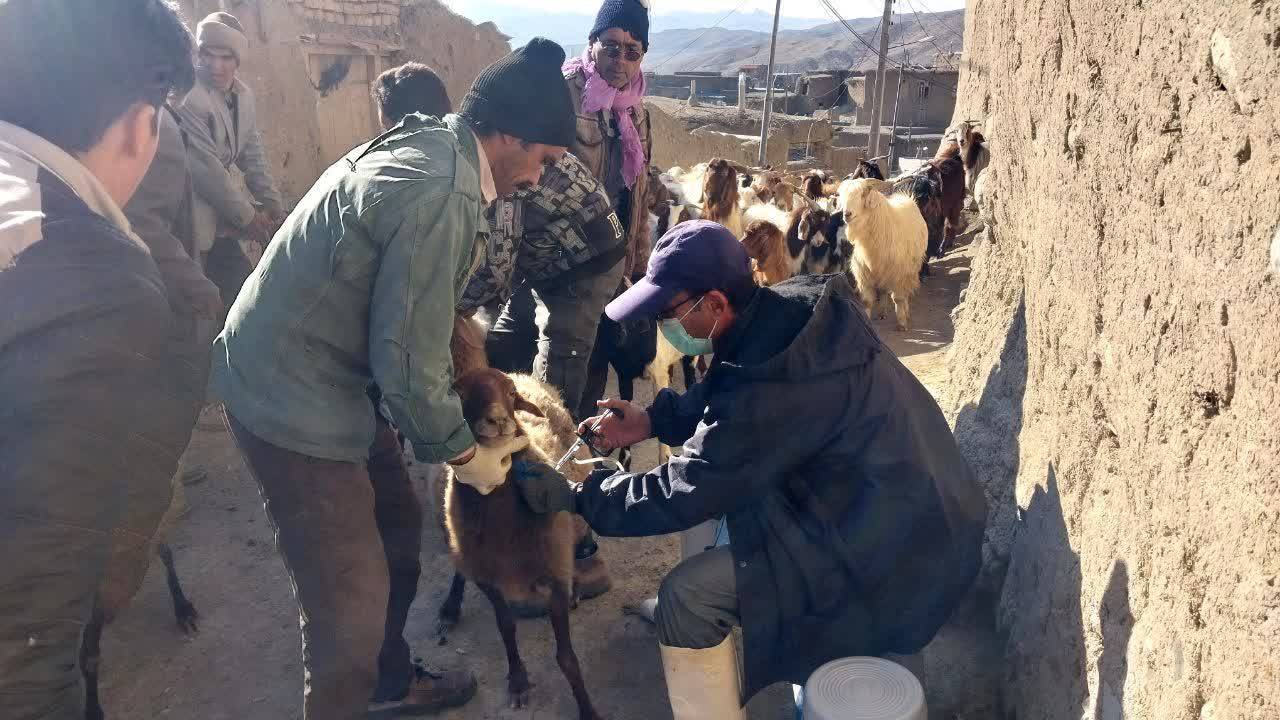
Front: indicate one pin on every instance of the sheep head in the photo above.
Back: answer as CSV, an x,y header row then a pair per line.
x,y
867,170
813,185
860,197
810,223
766,246
975,155
489,404
658,193
770,186
720,189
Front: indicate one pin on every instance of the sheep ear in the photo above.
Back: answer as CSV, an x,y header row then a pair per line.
x,y
525,405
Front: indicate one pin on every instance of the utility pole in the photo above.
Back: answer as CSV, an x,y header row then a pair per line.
x,y
897,95
873,142
768,93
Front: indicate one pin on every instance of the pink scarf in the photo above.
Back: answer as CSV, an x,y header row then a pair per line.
x,y
599,95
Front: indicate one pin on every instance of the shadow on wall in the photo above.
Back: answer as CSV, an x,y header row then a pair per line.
x,y
1039,616
987,433
1116,623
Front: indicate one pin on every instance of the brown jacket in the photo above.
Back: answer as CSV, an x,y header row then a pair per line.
x,y
219,140
592,148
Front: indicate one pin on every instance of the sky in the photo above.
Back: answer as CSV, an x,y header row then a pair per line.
x,y
790,8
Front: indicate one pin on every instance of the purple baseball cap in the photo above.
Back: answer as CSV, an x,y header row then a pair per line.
x,y
694,256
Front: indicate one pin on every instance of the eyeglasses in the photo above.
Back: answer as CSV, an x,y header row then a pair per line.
x,y
670,312
615,51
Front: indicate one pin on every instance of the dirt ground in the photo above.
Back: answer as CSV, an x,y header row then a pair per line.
x,y
245,663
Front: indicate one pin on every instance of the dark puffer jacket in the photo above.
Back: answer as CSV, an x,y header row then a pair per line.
x,y
855,524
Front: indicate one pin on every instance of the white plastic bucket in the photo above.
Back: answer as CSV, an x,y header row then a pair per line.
x,y
863,688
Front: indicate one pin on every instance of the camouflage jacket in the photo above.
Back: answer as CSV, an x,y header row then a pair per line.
x,y
557,231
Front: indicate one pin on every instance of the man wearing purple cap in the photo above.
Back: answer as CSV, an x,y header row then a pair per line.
x,y
856,525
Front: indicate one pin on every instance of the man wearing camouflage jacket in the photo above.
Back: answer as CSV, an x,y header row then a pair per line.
x,y
560,246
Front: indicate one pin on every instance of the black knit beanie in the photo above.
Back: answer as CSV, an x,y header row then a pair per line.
x,y
629,15
525,95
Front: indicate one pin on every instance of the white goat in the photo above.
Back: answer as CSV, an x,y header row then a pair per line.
x,y
889,239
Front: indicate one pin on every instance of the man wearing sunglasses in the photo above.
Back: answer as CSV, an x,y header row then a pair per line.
x,y
855,526
614,142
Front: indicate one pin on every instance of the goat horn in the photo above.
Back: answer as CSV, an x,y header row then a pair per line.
x,y
813,204
740,168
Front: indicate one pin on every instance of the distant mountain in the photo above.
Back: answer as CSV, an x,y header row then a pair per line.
x,y
570,29
921,39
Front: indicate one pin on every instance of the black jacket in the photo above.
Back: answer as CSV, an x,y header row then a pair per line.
x,y
855,524
83,351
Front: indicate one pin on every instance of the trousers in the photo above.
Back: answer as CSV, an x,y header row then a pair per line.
x,y
550,332
350,535
698,601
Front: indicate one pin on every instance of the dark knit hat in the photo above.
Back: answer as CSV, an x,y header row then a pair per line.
x,y
525,95
629,15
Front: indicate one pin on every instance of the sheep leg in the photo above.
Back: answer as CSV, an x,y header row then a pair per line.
x,y
517,676
949,227
902,311
90,656
565,656
183,611
451,608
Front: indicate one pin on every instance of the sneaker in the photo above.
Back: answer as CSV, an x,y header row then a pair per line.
x,y
430,691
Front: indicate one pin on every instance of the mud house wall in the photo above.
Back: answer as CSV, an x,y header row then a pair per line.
x,y
291,42
1115,374
684,137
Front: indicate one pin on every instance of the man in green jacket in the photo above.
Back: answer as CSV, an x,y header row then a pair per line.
x,y
359,287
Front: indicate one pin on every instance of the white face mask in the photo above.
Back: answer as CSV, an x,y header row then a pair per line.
x,y
680,339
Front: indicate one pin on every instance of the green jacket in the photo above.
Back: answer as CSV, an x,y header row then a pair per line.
x,y
359,286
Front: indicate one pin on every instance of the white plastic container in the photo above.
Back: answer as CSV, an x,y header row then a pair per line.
x,y
863,688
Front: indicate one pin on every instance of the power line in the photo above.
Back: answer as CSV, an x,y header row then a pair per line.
x,y
901,67
958,33
942,53
704,32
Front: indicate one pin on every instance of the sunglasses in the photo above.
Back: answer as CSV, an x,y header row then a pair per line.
x,y
615,51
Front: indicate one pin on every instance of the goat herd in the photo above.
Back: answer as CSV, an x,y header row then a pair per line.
x,y
882,232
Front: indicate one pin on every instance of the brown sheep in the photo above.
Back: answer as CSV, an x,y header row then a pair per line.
x,y
503,546
467,350
951,167
816,186
767,247
720,195
770,186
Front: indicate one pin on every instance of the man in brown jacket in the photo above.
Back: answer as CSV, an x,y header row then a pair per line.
x,y
614,139
220,117
615,143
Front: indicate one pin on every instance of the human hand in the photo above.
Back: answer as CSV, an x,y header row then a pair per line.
x,y
261,228
628,425
544,489
488,466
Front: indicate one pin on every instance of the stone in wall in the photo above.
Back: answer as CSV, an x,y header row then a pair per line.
x,y
1115,374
